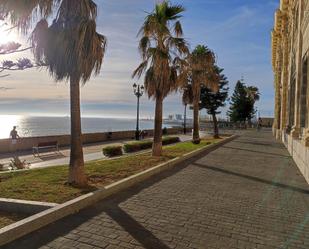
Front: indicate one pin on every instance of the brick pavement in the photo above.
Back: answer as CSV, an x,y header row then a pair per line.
x,y
246,194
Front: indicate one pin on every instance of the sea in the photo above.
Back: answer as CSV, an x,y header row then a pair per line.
x,y
32,126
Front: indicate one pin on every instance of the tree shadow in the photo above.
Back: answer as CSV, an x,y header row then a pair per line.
x,y
253,178
256,151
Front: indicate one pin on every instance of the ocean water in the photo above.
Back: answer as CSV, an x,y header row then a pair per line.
x,y
28,126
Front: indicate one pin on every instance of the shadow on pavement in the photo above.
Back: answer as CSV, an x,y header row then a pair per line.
x,y
253,178
256,151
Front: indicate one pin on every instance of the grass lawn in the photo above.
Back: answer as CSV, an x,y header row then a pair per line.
x,y
8,218
49,184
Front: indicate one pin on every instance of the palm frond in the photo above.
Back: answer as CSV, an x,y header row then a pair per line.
x,y
71,46
22,13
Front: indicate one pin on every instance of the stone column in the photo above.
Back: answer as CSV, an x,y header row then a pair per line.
x,y
296,128
306,136
285,79
277,104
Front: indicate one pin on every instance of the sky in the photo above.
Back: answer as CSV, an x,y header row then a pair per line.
x,y
237,30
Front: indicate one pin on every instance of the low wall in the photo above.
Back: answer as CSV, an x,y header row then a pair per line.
x,y
298,151
26,143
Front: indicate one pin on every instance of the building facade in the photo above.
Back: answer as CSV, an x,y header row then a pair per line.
x,y
290,59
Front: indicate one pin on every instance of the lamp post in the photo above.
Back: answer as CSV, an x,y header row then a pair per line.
x,y
138,92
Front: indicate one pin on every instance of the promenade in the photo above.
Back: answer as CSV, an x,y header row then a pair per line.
x,y
50,159
246,194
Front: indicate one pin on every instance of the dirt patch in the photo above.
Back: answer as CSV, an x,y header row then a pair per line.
x,y
9,218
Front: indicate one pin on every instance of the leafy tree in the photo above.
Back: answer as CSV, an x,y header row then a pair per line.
x,y
162,49
71,49
212,101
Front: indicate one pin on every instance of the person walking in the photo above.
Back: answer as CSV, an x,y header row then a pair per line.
x,y
14,136
259,125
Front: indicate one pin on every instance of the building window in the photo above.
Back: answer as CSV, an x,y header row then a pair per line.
x,y
303,95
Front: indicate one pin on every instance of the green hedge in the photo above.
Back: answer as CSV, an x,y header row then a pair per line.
x,y
147,144
137,146
170,140
111,151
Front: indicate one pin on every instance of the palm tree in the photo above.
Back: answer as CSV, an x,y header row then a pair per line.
x,y
162,49
70,48
202,72
187,99
253,93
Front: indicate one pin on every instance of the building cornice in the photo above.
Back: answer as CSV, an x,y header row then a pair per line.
x,y
281,18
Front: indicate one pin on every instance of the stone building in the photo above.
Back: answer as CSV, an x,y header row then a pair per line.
x,y
290,58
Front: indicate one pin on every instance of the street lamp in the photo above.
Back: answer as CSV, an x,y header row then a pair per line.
x,y
138,92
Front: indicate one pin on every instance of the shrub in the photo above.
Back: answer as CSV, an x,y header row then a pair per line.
x,y
111,151
170,140
147,144
137,146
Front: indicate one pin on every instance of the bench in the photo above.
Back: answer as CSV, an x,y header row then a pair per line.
x,y
45,146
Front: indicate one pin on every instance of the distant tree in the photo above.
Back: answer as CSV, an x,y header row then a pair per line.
x,y
254,95
243,101
212,101
240,106
71,49
162,48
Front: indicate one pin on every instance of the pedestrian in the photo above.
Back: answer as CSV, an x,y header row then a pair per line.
x,y
259,125
14,136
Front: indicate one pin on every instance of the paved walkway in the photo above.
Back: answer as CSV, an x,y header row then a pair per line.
x,y
246,194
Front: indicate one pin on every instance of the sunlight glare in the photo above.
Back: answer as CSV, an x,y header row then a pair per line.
x,y
6,35
6,124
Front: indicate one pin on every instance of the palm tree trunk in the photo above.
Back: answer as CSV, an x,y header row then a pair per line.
x,y
185,121
157,137
215,121
76,170
196,121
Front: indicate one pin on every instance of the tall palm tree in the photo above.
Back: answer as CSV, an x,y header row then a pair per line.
x,y
202,72
70,48
162,49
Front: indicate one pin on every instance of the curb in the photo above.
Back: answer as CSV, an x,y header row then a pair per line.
x,y
39,220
